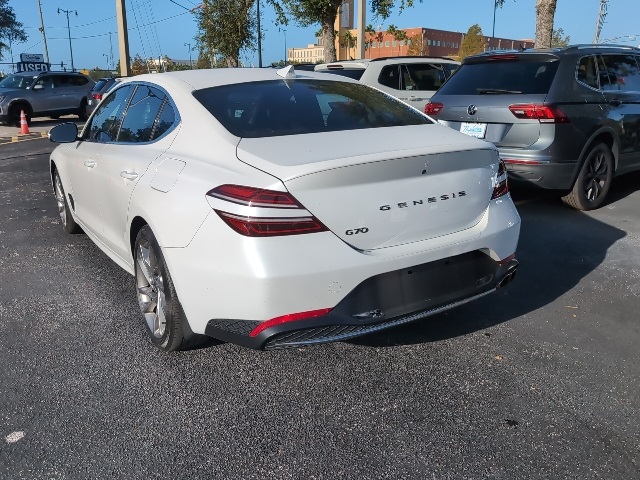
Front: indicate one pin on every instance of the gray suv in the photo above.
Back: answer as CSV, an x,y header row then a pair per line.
x,y
43,94
565,119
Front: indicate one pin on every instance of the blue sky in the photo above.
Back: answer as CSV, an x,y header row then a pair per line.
x,y
165,26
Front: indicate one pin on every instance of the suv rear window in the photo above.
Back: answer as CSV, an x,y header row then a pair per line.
x,y
99,84
273,108
520,75
355,73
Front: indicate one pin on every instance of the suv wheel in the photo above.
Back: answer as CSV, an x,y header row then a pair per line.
x,y
594,180
15,112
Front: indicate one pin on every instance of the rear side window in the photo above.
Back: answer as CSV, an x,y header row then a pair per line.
x,y
139,124
273,108
526,76
620,73
587,71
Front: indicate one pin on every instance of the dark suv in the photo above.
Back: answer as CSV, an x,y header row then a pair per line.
x,y
565,119
43,94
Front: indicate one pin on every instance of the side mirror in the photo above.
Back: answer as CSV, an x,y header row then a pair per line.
x,y
64,133
38,87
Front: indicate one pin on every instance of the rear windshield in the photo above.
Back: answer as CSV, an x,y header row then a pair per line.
x,y
99,84
355,73
502,77
277,107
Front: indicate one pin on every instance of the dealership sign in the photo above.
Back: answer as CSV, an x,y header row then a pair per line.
x,y
32,62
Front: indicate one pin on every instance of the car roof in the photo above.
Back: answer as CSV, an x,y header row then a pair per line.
x,y
557,51
199,79
365,62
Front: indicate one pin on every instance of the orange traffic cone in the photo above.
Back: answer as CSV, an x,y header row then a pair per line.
x,y
24,126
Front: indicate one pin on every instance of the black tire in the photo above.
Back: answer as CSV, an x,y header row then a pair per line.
x,y
165,320
15,112
82,112
69,225
594,180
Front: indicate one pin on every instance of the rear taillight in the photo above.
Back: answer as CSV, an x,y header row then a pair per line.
x,y
292,317
267,225
433,108
500,184
542,113
97,96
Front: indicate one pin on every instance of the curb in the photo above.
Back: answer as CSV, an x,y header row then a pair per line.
x,y
22,137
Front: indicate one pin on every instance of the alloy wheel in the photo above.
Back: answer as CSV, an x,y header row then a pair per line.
x,y
596,176
59,194
150,288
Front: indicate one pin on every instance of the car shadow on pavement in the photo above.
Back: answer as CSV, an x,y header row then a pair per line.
x,y
558,247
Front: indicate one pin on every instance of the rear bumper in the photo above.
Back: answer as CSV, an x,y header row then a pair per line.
x,y
384,301
541,173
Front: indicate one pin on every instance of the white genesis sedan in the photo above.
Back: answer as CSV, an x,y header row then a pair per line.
x,y
274,208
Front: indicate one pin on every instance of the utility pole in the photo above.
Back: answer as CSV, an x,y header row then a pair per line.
x,y
493,31
188,45
601,16
259,37
362,19
67,12
123,38
110,49
285,43
44,36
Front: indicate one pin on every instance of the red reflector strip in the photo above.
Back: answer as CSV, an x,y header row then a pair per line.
x,y
521,162
291,317
271,227
504,261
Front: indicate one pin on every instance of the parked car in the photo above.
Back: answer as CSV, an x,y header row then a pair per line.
x,y
102,86
275,209
565,118
43,94
411,79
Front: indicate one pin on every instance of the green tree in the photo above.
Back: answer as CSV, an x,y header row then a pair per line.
x,y
324,12
139,65
349,42
472,42
226,28
559,40
417,46
398,35
10,29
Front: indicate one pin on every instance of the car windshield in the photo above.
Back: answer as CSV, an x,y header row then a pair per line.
x,y
278,107
502,77
17,81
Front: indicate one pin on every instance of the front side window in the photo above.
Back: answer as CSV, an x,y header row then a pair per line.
x,y
620,73
276,108
17,81
424,76
106,120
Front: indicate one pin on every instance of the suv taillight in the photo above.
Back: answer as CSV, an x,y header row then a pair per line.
x,y
542,113
264,226
433,108
97,96
501,184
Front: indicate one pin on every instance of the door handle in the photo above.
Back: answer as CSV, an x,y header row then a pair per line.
x,y
89,163
129,175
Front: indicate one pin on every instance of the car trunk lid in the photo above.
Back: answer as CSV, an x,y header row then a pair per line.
x,y
375,194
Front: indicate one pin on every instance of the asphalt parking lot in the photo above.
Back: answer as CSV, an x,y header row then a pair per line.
x,y
539,380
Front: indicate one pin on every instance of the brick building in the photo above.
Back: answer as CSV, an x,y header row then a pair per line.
x,y
420,41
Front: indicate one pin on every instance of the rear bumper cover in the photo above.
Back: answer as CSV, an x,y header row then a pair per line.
x,y
381,302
